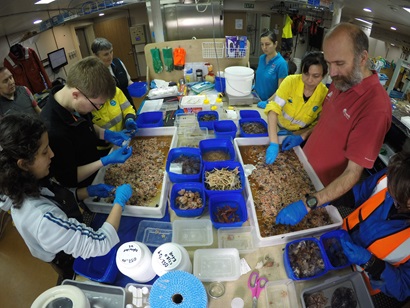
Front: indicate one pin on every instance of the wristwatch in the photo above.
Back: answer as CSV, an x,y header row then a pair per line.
x,y
311,202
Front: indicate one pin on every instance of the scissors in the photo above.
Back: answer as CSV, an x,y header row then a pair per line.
x,y
256,284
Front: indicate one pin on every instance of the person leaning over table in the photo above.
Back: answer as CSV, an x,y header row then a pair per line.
x,y
297,103
102,48
73,136
355,118
272,68
116,114
15,98
45,213
379,227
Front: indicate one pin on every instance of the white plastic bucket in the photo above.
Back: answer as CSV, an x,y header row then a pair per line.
x,y
238,80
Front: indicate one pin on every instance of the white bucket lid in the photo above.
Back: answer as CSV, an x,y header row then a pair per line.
x,y
239,71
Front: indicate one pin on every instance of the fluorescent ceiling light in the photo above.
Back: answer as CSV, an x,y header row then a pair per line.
x,y
44,1
393,28
407,9
37,21
365,21
367,10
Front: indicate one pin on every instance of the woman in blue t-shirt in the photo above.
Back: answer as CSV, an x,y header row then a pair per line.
x,y
272,68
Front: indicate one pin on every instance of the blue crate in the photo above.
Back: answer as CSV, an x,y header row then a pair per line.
x,y
137,89
191,186
225,129
233,200
150,119
217,144
102,269
334,253
288,266
208,124
252,120
230,165
178,177
249,114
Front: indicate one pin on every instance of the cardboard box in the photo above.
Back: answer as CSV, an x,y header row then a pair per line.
x,y
154,211
287,237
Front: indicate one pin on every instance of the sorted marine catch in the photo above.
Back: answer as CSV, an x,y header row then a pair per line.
x,y
305,258
223,179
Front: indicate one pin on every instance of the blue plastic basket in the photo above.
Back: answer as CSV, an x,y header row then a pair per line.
x,y
191,186
137,89
150,119
252,120
249,114
101,269
330,242
217,203
229,165
217,144
225,129
176,153
220,84
288,266
208,124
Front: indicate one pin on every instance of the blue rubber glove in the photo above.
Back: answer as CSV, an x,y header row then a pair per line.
x,y
291,141
292,214
130,124
116,138
262,104
355,253
100,190
122,194
271,153
118,156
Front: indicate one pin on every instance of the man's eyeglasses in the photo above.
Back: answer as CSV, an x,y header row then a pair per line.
x,y
95,106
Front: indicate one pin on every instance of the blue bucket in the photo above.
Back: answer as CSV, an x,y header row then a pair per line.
x,y
220,84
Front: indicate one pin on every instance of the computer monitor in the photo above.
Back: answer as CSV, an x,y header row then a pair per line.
x,y
57,59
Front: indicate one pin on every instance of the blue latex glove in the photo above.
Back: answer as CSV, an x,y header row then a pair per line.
x,y
116,138
100,190
292,214
271,153
130,124
122,194
291,141
355,253
118,156
262,104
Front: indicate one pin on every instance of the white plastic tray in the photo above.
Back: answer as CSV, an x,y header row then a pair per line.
x,y
287,237
133,210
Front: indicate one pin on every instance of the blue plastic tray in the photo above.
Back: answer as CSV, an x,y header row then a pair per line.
x,y
191,186
233,200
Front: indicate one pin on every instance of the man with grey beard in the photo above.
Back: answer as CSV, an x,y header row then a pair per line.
x,y
355,118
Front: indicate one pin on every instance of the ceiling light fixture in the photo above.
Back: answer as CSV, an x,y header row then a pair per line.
x,y
101,14
37,21
406,9
44,1
367,10
365,21
393,28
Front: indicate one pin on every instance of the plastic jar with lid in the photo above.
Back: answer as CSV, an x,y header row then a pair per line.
x,y
169,257
206,105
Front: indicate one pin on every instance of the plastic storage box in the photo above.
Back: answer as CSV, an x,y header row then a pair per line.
x,y
240,238
175,170
330,242
256,121
192,232
192,103
346,290
246,114
217,144
98,295
154,233
140,293
150,119
295,262
287,237
221,264
219,165
202,115
225,129
156,209
281,293
137,89
227,201
102,269
188,186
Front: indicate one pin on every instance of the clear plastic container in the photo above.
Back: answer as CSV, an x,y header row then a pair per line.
x,y
192,232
